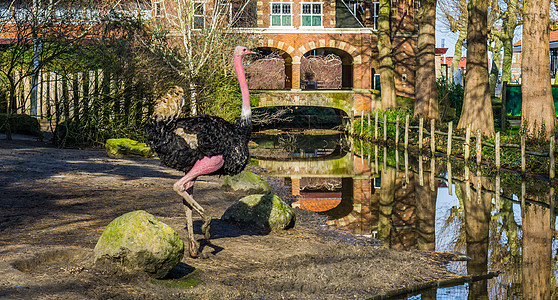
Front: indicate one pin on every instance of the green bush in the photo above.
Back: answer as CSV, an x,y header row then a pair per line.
x,y
20,123
450,95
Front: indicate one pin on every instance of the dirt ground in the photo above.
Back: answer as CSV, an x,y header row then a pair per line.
x,y
55,203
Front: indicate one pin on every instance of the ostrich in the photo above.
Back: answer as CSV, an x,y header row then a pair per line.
x,y
200,145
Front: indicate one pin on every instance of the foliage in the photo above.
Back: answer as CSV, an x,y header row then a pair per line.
x,y
20,123
368,131
450,95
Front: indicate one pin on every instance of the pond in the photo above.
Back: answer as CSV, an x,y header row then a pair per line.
x,y
500,221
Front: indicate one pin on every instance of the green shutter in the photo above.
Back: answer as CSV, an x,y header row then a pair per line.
x,y
316,21
306,21
275,20
286,21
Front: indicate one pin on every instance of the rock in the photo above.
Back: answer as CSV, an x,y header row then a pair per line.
x,y
263,211
138,241
247,181
121,147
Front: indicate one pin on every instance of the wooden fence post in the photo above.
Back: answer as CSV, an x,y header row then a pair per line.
x,y
432,136
467,142
385,127
497,150
421,124
479,146
361,122
406,131
450,184
552,170
368,129
397,130
522,153
376,125
450,132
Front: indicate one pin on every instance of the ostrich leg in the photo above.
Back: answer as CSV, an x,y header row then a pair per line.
x,y
204,166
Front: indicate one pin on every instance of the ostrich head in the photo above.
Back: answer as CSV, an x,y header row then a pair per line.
x,y
241,51
169,106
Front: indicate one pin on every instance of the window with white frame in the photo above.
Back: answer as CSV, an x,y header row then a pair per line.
x,y
281,14
199,15
311,14
157,9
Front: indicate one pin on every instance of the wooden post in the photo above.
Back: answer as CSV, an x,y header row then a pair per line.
x,y
385,127
479,146
497,190
503,114
406,131
552,169
523,198
450,184
450,132
406,154
552,210
376,126
421,124
396,130
396,161
467,142
384,167
432,136
421,171
368,129
361,122
467,184
376,158
497,150
432,173
352,126
523,154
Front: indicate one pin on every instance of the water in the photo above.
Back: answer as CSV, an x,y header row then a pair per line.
x,y
502,221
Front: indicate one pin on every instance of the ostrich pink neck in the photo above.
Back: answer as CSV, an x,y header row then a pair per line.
x,y
239,68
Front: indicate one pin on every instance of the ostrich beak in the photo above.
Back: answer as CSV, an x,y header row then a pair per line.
x,y
250,52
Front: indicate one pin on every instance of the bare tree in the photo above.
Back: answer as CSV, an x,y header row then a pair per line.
x,y
39,32
200,30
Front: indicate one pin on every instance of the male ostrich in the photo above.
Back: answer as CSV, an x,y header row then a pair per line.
x,y
200,145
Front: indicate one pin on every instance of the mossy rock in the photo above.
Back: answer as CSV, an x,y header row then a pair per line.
x,y
121,147
138,241
261,211
23,124
247,181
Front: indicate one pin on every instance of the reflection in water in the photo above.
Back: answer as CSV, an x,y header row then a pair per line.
x,y
503,222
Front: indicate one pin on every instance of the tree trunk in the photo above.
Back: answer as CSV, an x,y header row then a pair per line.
x,y
495,71
507,61
426,93
538,106
477,107
193,99
387,201
387,73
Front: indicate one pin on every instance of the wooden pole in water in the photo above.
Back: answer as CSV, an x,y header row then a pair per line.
x,y
385,159
479,146
497,190
406,131
376,126
552,170
450,184
421,123
385,127
450,132
552,211
368,129
467,141
396,161
497,150
421,171
376,158
432,136
406,154
397,130
522,198
432,173
523,154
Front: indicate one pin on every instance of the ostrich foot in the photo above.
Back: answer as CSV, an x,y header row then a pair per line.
x,y
205,227
194,246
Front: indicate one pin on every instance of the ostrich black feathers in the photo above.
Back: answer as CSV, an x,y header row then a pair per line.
x,y
180,143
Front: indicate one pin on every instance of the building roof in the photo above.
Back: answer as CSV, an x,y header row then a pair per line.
x,y
440,51
553,38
